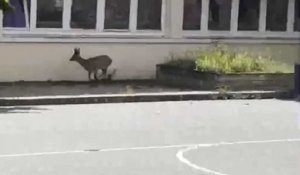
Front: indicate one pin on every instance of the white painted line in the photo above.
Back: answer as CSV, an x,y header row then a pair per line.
x,y
133,95
179,155
112,95
39,154
181,158
184,160
93,150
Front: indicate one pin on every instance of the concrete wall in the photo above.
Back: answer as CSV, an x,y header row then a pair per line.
x,y
34,56
50,61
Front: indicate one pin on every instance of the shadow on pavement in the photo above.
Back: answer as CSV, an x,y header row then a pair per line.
x,y
15,109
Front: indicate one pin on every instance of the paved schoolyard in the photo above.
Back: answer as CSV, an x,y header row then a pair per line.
x,y
257,137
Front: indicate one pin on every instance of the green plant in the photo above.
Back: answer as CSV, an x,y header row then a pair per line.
x,y
5,6
219,59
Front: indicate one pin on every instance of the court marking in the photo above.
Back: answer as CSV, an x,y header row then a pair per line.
x,y
93,150
184,160
179,154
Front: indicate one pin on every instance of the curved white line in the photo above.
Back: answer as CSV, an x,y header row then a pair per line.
x,y
184,160
181,158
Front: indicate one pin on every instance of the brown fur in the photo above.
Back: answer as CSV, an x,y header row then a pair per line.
x,y
93,64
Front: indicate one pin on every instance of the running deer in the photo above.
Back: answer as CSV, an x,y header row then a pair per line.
x,y
93,64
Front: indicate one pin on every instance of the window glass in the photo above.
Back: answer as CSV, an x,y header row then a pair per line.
x,y
84,14
49,13
149,14
219,14
277,15
117,14
248,15
19,17
192,15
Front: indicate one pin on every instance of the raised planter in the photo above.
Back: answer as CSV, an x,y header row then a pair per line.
x,y
186,78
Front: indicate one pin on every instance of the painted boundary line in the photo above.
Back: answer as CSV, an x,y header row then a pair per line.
x,y
185,146
142,97
92,150
181,158
179,154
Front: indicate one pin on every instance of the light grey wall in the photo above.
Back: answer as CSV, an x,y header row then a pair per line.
x,y
50,61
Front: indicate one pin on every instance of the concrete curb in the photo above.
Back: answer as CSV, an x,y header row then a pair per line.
x,y
142,97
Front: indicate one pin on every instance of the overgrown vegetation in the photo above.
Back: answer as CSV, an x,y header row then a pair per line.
x,y
222,60
219,59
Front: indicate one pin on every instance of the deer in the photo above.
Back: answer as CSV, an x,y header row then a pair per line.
x,y
92,64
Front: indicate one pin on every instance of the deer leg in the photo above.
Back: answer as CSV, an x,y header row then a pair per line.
x,y
104,72
95,75
90,73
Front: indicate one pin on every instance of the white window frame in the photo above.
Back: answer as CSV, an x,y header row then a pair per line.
x,y
67,31
234,33
167,13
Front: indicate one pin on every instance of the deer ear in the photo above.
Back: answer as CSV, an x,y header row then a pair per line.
x,y
77,50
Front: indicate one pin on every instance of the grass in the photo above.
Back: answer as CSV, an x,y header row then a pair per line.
x,y
225,61
221,60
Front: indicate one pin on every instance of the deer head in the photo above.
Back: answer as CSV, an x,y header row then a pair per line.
x,y
76,56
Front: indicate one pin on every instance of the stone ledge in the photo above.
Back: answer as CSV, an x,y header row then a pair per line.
x,y
142,97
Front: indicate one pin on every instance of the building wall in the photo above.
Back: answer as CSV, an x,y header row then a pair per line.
x,y
41,55
50,61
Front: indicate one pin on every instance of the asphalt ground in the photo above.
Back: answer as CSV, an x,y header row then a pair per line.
x,y
236,137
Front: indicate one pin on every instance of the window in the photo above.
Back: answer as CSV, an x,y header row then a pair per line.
x,y
149,14
248,15
297,16
201,18
49,13
84,14
277,15
117,14
219,14
192,14
20,16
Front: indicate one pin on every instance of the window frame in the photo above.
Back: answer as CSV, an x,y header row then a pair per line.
x,y
99,31
171,32
235,33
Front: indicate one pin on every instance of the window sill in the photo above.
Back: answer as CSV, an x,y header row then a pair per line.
x,y
243,35
55,33
147,37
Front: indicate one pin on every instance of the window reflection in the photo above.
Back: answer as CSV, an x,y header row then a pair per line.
x,y
149,14
117,14
192,15
49,14
248,15
84,14
219,14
